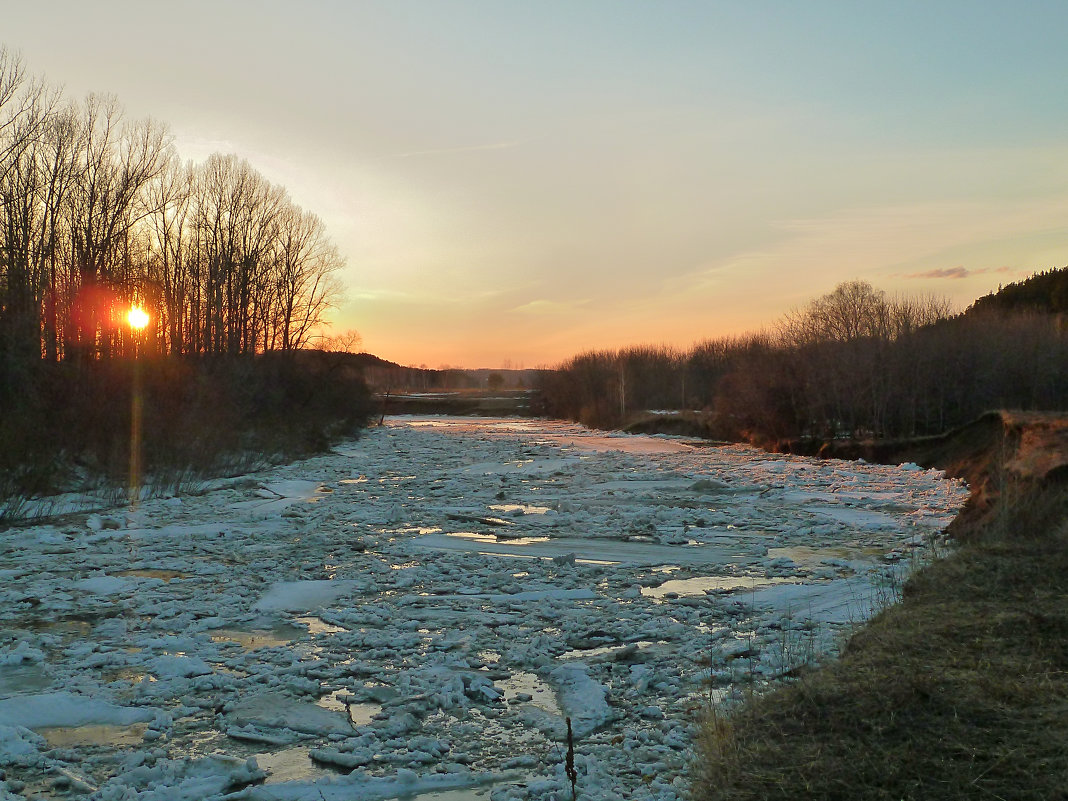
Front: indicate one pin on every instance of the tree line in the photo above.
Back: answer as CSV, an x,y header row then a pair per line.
x,y
99,213
852,363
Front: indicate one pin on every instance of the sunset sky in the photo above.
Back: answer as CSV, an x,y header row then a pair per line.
x,y
514,182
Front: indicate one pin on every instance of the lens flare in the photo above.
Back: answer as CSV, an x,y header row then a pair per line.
x,y
137,318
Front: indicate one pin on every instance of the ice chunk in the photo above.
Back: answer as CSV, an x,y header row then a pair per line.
x,y
302,596
102,584
276,711
179,667
66,709
583,699
18,743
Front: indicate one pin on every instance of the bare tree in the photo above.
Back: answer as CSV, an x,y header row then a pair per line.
x,y
96,213
347,341
169,199
24,106
306,264
117,163
31,189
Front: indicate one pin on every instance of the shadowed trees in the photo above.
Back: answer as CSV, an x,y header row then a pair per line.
x,y
854,362
98,213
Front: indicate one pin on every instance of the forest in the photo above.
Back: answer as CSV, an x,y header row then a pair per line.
x,y
853,363
99,215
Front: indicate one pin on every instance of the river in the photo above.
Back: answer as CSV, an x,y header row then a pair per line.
x,y
416,613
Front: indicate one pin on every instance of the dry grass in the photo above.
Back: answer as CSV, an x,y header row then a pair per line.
x,y
959,692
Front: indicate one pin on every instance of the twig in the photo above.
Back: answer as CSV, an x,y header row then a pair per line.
x,y
569,764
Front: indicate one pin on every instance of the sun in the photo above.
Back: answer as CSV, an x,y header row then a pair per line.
x,y
137,318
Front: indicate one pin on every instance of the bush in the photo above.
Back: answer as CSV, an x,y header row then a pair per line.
x,y
196,415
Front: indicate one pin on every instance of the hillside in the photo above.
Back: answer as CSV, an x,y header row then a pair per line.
x,y
1043,292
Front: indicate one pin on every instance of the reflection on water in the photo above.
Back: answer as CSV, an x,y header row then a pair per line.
x,y
526,509
133,675
316,626
166,575
291,764
72,736
527,688
804,555
359,714
67,628
15,679
251,639
494,539
701,585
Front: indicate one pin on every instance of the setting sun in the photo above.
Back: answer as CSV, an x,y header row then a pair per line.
x,y
137,318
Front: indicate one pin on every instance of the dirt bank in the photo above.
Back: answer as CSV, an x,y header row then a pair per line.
x,y
957,692
995,451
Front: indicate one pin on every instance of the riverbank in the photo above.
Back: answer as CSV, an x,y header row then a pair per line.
x,y
77,436
958,691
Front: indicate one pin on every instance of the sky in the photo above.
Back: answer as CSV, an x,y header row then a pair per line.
x,y
512,183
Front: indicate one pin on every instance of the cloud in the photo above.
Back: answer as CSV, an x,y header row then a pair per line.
x,y
955,272
880,242
951,272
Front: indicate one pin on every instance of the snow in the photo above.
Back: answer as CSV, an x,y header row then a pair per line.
x,y
170,666
416,613
66,709
302,596
583,699
18,743
103,584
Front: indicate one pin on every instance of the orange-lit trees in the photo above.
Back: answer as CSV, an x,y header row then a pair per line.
x,y
168,252
97,213
116,163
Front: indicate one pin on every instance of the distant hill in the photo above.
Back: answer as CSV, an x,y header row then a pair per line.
x,y
370,360
386,376
1042,292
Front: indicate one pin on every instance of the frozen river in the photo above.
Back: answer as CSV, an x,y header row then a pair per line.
x,y
416,612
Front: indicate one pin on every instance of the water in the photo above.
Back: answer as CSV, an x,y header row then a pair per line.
x,y
804,555
16,679
292,764
702,585
98,735
166,576
253,639
519,685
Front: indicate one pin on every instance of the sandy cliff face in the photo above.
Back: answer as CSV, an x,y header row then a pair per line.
x,y
1000,451
1038,443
